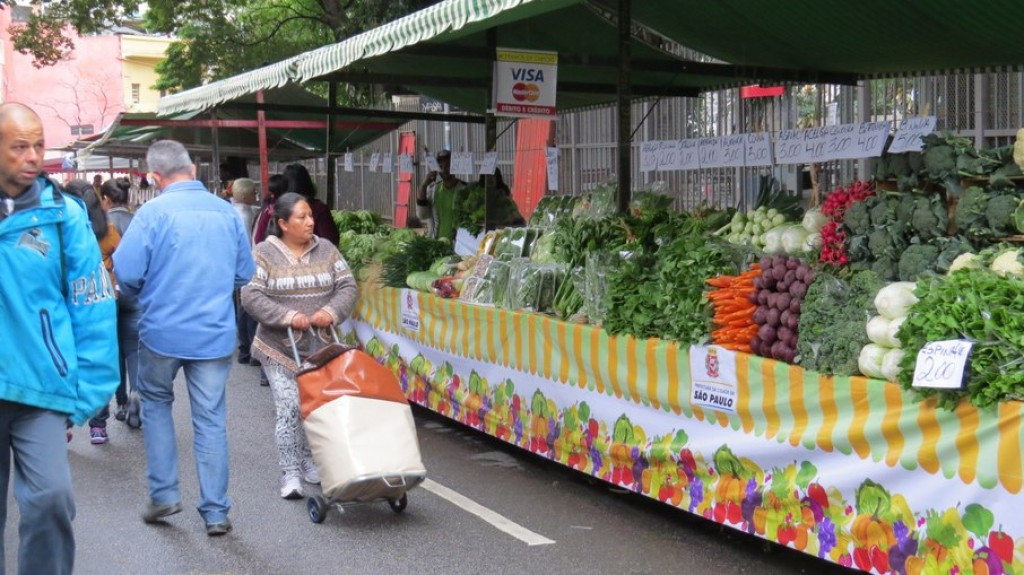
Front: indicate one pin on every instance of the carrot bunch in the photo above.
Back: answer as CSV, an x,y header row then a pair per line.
x,y
734,310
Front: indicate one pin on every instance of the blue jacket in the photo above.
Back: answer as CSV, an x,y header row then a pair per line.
x,y
184,254
60,350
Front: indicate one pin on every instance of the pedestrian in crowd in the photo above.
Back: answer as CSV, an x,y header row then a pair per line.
x,y
302,282
276,187
243,200
97,181
58,315
184,255
435,202
107,237
299,182
115,195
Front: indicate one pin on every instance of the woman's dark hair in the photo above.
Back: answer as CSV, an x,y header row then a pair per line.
x,y
118,190
299,181
284,207
277,186
97,217
143,182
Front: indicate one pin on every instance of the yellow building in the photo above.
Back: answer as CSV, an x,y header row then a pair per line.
x,y
140,55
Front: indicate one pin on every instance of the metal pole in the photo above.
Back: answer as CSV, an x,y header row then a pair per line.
x,y
625,117
332,103
261,121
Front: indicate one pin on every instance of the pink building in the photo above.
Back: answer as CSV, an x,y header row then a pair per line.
x,y
104,76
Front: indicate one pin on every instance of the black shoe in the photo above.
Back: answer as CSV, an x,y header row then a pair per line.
x,y
122,412
244,359
255,362
154,512
134,417
219,528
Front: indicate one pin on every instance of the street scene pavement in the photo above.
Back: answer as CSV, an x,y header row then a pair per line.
x,y
486,508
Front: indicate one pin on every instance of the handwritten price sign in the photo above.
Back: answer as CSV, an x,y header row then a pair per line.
x,y
908,136
941,364
758,150
789,147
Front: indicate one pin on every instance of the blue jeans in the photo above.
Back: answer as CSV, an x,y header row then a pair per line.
x,y
206,380
128,314
42,487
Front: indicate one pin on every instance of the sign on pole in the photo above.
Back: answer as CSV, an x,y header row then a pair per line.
x,y
525,83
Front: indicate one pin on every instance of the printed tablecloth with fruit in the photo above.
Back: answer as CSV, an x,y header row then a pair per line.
x,y
851,470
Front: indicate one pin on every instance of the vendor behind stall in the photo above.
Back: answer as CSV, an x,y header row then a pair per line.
x,y
436,201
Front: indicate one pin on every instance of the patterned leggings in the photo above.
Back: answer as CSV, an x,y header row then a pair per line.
x,y
292,447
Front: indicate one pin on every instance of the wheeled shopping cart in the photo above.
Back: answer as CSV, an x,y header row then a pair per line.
x,y
360,429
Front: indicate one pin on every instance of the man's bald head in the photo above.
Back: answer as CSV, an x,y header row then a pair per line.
x,y
21,147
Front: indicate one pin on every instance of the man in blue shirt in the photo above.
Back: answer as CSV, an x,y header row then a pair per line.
x,y
184,254
59,358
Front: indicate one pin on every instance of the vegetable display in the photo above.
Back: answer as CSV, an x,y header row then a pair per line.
x,y
780,294
416,255
734,300
979,305
832,321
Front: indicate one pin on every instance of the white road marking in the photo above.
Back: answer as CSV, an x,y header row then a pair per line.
x,y
501,522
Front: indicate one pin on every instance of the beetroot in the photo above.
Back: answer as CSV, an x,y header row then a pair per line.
x,y
761,315
779,272
784,334
792,263
784,317
782,301
798,289
794,305
755,345
773,317
794,321
767,335
762,297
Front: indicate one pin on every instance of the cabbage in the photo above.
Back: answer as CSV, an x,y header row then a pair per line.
x,y
870,360
773,241
1007,263
893,329
793,238
895,299
814,220
877,330
891,364
813,242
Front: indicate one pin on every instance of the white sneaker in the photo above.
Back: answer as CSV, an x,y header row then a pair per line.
x,y
309,471
291,487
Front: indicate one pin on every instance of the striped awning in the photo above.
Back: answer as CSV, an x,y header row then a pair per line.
x,y
450,16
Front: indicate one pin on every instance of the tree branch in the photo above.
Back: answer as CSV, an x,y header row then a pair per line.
x,y
277,29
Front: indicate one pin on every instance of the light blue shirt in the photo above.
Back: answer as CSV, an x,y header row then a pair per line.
x,y
184,254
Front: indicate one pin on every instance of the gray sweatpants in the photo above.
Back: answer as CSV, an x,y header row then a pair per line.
x,y
42,488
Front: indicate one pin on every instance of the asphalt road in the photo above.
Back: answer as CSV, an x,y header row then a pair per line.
x,y
592,528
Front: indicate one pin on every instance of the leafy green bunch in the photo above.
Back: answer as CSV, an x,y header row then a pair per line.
x,y
832,320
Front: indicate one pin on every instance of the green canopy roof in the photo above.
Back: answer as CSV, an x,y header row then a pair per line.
x,y
445,51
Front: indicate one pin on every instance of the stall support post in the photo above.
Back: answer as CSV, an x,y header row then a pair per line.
x,y
218,178
490,128
332,103
261,126
624,107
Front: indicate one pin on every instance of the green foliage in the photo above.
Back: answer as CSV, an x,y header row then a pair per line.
x,y
359,221
832,321
970,304
416,256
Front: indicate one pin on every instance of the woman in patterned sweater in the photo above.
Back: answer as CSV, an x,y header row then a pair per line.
x,y
301,281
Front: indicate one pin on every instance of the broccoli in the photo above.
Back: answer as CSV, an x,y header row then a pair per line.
x,y
899,165
970,212
916,161
882,171
883,243
857,249
930,217
832,321
999,213
884,210
917,260
885,268
939,161
856,218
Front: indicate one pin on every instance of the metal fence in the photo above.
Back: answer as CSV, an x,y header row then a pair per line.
x,y
985,107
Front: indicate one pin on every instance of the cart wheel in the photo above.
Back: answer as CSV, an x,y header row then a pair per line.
x,y
398,505
317,508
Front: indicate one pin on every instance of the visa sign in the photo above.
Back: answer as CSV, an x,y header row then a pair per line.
x,y
525,83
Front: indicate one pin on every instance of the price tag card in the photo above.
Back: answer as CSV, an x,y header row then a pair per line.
x,y
908,135
688,157
374,161
815,148
941,364
710,152
551,155
841,142
758,149
462,163
386,164
490,163
349,162
713,378
733,150
658,155
405,163
432,165
870,139
789,147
